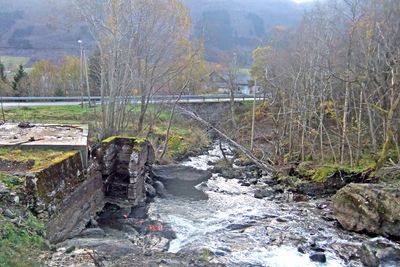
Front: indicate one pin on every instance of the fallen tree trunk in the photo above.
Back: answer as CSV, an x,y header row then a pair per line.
x,y
263,165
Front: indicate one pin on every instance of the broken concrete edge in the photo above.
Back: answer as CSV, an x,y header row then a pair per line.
x,y
137,140
84,200
42,137
75,137
55,161
48,187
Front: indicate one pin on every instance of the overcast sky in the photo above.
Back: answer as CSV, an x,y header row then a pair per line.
x,y
302,1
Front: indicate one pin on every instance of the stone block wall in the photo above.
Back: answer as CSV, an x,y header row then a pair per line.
x,y
126,163
67,196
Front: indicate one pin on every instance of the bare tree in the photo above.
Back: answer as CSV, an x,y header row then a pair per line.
x,y
140,43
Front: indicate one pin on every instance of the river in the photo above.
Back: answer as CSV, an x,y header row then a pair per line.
x,y
240,230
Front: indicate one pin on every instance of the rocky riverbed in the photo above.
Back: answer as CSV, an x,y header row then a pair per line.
x,y
236,218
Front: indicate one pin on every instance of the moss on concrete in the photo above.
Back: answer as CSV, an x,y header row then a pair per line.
x,y
61,156
41,157
111,139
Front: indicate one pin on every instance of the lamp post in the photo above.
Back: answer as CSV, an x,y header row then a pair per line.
x,y
84,66
81,71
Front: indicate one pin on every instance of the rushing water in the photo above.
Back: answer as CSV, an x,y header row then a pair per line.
x,y
244,231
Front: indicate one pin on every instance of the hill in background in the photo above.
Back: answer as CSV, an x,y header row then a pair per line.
x,y
46,29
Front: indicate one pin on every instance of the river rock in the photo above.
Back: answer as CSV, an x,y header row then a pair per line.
x,y
160,188
369,207
181,173
112,248
93,222
253,180
318,257
181,180
263,193
92,233
380,252
150,191
139,212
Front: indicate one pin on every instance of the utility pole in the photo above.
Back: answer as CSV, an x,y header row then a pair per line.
x,y
81,71
87,78
254,117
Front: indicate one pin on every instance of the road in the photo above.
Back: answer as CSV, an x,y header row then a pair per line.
x,y
70,101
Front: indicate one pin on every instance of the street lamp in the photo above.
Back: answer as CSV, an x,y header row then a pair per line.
x,y
81,70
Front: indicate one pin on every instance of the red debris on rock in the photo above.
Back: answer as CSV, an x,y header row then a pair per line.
x,y
155,227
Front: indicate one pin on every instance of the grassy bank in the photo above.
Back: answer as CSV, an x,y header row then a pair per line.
x,y
21,233
21,241
185,136
271,143
54,114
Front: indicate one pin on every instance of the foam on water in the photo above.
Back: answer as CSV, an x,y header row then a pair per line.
x,y
206,223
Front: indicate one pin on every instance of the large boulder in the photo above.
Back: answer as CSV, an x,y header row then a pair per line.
x,y
380,252
181,173
181,180
369,208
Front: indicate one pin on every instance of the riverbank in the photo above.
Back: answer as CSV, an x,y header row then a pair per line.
x,y
218,225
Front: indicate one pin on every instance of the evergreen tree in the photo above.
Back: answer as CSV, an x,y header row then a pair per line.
x,y
19,76
2,72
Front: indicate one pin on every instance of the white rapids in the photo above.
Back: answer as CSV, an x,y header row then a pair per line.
x,y
241,230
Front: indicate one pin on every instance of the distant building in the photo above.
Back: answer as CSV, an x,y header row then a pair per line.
x,y
220,83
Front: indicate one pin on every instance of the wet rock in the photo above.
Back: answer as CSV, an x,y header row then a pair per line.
x,y
234,227
328,217
301,250
93,223
347,250
318,257
9,214
317,249
181,173
231,174
129,230
160,188
157,243
263,193
253,181
313,243
279,190
281,220
380,252
113,248
300,198
92,233
181,180
139,212
247,184
269,181
150,191
371,208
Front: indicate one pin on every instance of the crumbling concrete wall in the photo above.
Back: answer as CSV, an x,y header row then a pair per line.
x,y
67,196
48,187
126,164
78,208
